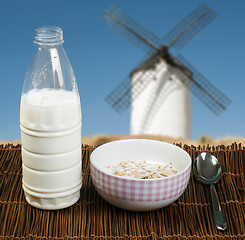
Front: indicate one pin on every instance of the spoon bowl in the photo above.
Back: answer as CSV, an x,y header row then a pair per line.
x,y
207,170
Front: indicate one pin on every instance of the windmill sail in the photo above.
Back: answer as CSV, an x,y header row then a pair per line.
x,y
147,84
193,80
126,91
203,89
131,30
121,98
183,32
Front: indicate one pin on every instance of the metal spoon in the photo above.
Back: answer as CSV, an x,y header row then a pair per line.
x,y
208,170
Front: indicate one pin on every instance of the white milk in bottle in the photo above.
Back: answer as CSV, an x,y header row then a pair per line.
x,y
50,123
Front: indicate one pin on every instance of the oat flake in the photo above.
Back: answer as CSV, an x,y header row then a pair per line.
x,y
142,169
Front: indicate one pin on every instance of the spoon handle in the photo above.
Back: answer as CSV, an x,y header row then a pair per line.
x,y
218,215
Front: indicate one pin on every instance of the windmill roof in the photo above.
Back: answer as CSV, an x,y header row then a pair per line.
x,y
161,55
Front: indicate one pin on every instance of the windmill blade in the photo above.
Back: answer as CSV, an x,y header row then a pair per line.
x,y
131,30
127,90
190,26
213,98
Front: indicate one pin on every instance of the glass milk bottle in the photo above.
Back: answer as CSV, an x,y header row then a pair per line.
x,y
50,123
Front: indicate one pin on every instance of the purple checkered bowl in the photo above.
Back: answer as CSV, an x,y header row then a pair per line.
x,y
139,194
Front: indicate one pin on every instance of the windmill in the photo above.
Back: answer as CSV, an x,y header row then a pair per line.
x,y
158,89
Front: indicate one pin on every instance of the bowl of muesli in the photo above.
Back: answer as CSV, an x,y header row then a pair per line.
x,y
140,174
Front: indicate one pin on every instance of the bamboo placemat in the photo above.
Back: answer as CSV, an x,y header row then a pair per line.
x,y
190,217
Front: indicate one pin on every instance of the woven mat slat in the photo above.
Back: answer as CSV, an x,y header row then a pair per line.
x,y
189,217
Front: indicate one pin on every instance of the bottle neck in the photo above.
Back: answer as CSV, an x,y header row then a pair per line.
x,y
48,36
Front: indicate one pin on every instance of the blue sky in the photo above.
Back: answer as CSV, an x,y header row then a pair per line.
x,y
101,58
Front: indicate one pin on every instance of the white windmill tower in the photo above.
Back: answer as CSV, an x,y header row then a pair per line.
x,y
158,88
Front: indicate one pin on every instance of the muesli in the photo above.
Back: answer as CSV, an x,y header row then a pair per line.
x,y
142,169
